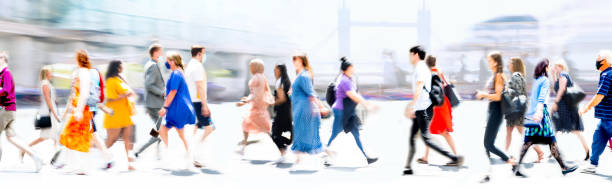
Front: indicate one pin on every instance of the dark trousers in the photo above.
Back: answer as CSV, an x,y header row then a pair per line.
x,y
154,116
494,121
421,123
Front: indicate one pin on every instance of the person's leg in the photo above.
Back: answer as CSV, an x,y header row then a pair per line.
x,y
425,157
521,131
508,137
36,141
181,134
152,112
413,133
127,133
554,150
355,132
426,135
207,131
163,134
337,126
524,149
600,138
493,123
582,141
451,142
112,136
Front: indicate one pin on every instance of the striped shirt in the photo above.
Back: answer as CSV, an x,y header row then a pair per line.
x,y
604,109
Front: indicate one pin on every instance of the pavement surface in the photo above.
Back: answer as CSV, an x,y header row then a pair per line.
x,y
384,134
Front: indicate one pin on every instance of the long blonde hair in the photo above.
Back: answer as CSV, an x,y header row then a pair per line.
x,y
176,57
44,71
517,65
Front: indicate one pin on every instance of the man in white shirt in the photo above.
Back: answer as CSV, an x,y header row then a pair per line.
x,y
420,110
196,82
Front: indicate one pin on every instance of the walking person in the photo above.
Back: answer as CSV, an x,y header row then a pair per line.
x,y
154,93
565,116
442,120
47,108
494,87
517,86
8,108
77,133
178,107
538,127
420,110
120,98
94,101
195,76
344,108
257,119
307,110
603,109
282,125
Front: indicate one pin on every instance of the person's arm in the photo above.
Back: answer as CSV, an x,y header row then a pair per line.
x,y
562,88
6,85
151,80
309,89
47,94
499,88
281,98
84,83
602,90
118,89
544,92
167,102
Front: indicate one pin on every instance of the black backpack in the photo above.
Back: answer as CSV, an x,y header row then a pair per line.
x,y
436,94
330,94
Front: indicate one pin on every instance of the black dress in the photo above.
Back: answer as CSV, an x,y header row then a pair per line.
x,y
283,121
566,118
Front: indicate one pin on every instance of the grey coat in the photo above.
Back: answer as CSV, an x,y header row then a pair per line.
x,y
154,86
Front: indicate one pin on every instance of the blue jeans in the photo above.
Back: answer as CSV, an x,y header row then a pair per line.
x,y
338,127
600,140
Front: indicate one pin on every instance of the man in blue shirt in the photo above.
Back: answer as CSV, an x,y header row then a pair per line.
x,y
603,108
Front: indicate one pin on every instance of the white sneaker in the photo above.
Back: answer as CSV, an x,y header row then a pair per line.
x,y
37,163
591,169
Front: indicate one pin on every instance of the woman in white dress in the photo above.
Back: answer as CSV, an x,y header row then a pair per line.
x,y
47,108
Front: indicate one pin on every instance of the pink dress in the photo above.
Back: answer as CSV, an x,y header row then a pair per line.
x,y
258,117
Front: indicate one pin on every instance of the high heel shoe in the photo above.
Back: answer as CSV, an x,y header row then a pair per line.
x,y
588,155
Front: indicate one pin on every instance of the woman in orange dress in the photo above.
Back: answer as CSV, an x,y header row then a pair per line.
x,y
442,120
258,118
77,132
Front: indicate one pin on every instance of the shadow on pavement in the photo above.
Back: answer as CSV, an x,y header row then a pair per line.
x,y
259,162
284,165
449,168
345,169
183,173
211,172
302,172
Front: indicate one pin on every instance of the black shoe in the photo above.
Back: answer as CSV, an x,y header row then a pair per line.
x,y
569,170
372,160
136,154
587,156
456,163
517,172
408,172
327,164
485,179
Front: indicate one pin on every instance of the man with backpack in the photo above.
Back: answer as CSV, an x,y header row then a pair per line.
x,y
420,109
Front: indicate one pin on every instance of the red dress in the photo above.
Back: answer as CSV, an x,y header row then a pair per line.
x,y
443,118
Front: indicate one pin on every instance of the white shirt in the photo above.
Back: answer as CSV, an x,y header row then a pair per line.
x,y
194,72
422,73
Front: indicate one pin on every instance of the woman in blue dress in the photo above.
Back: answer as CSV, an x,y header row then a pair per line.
x,y
307,110
538,126
178,108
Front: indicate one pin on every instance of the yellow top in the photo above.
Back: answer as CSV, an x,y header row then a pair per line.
x,y
122,109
